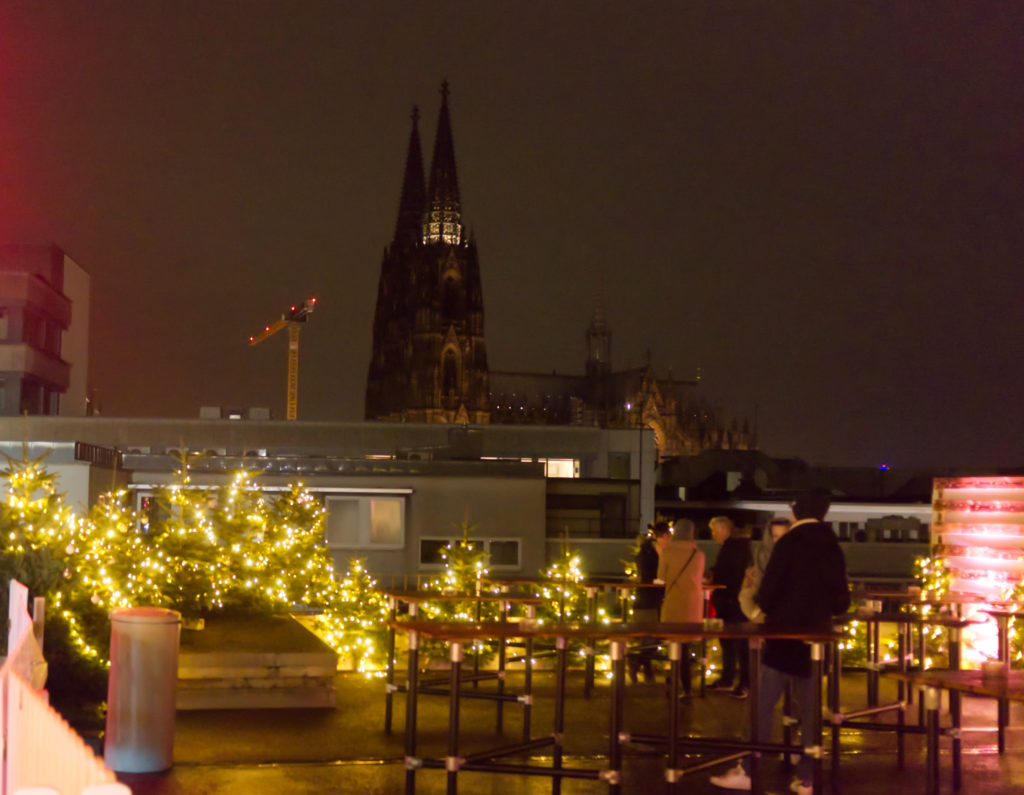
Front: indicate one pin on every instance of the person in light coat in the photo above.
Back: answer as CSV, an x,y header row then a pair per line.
x,y
681,569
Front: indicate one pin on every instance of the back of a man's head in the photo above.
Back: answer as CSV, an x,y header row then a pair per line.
x,y
812,504
683,530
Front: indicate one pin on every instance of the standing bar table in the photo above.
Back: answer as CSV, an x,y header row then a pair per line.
x,y
1005,688
413,598
1003,616
459,634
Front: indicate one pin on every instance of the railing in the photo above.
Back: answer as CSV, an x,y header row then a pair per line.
x,y
42,751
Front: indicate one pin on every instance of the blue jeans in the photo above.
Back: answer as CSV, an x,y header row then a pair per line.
x,y
770,689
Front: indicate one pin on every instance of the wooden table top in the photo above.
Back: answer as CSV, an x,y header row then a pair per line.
x,y
919,598
949,622
618,584
423,595
1005,613
474,630
1010,687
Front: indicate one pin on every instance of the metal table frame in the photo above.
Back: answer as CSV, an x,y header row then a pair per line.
x,y
413,598
931,683
457,635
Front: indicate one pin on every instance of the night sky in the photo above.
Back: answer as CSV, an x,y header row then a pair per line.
x,y
817,205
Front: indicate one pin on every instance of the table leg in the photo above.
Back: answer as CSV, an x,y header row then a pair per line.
x,y
477,644
817,668
412,690
562,646
920,666
452,762
389,679
930,701
672,772
1003,708
590,650
704,648
754,655
788,722
614,772
874,641
904,644
531,613
502,654
954,707
835,671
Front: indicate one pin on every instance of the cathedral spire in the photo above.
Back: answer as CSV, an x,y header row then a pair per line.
x,y
599,343
444,216
413,201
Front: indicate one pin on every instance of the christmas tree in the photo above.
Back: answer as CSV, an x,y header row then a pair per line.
x,y
38,532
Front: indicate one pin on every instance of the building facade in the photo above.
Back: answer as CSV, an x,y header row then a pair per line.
x,y
44,332
394,492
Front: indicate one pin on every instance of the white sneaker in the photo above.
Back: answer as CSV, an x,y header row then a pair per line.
x,y
736,778
800,788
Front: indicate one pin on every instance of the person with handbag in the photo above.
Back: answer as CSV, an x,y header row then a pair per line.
x,y
752,579
681,568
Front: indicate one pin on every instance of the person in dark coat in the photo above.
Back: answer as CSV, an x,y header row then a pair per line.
x,y
647,600
729,570
804,587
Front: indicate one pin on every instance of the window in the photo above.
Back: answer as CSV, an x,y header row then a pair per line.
x,y
560,467
503,552
618,466
613,516
450,382
366,522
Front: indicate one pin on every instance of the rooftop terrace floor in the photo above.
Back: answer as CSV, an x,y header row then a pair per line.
x,y
346,749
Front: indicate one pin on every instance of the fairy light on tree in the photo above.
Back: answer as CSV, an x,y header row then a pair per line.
x,y
38,531
565,597
199,550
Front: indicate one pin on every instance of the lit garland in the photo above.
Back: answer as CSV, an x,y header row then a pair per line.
x,y
196,550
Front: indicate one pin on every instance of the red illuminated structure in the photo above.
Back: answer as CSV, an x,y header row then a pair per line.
x,y
978,531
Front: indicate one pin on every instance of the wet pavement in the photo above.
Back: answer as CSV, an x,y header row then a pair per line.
x,y
347,750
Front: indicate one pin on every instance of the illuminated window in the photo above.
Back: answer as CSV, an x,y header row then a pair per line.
x,y
560,467
365,522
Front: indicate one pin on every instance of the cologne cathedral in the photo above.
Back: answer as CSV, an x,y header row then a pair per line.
x,y
429,359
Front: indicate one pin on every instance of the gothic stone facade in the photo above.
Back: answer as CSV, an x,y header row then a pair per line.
x,y
429,360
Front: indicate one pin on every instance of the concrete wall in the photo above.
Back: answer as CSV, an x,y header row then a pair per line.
x,y
502,507
75,342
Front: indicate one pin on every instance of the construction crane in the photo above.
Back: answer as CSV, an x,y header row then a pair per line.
x,y
295,316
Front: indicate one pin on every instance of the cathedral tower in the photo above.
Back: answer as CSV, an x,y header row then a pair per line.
x,y
429,360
